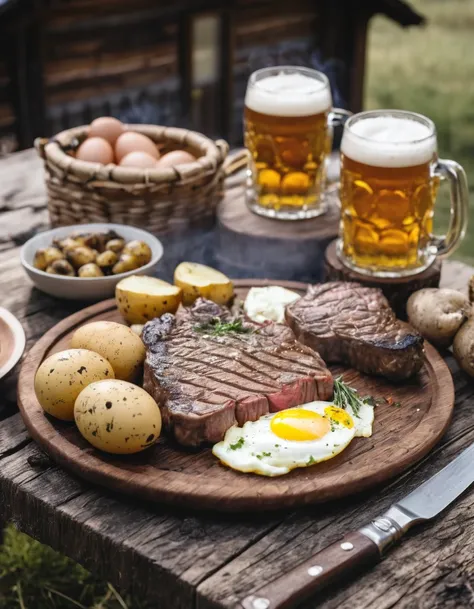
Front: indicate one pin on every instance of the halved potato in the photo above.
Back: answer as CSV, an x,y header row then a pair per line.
x,y
141,298
200,280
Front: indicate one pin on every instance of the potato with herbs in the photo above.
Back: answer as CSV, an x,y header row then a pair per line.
x,y
115,245
140,250
81,255
117,417
61,267
199,280
116,343
106,260
90,270
438,313
141,298
126,263
45,257
62,377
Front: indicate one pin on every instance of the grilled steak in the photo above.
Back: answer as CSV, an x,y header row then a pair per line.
x,y
353,324
205,382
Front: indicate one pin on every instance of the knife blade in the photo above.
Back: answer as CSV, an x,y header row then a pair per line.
x,y
368,544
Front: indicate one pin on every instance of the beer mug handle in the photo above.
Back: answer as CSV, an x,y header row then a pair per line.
x,y
455,174
338,116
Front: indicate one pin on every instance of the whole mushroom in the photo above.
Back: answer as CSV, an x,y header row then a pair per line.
x,y
438,313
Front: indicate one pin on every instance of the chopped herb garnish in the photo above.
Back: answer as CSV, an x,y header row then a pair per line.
x,y
348,397
311,461
217,327
263,454
396,404
240,442
277,446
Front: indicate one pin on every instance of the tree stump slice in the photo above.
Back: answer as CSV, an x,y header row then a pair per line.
x,y
249,245
396,290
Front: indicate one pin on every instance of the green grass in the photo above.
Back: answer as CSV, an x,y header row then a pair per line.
x,y
430,70
33,576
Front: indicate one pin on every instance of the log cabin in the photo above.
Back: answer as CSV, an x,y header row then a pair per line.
x,y
186,63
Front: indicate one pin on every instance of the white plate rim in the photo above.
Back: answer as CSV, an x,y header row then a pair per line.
x,y
19,340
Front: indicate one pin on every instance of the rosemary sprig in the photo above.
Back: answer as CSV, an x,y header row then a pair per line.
x,y
346,396
217,327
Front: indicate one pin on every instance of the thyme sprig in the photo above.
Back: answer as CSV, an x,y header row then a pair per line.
x,y
217,327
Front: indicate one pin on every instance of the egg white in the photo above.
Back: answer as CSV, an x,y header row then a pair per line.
x,y
255,448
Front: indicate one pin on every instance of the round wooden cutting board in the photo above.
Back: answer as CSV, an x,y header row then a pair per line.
x,y
404,432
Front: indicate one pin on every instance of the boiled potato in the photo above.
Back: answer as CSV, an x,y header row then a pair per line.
x,y
199,280
106,260
79,256
127,262
90,270
68,244
117,417
140,250
115,245
45,257
62,377
61,267
116,343
140,299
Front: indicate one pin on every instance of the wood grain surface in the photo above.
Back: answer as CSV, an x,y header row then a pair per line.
x,y
404,432
185,559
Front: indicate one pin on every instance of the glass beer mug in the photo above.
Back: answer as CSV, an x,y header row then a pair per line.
x,y
390,173
288,134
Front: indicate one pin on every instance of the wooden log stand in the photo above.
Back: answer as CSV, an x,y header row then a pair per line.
x,y
249,245
397,291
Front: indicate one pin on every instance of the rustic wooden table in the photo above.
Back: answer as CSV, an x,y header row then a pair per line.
x,y
182,559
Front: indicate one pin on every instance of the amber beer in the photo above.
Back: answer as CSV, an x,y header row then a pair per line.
x,y
389,181
288,139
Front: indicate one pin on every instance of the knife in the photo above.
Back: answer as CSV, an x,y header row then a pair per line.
x,y
367,545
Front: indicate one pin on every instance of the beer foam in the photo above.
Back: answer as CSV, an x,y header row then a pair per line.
x,y
289,95
389,141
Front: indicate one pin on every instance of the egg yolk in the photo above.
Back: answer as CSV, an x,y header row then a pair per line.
x,y
299,425
339,416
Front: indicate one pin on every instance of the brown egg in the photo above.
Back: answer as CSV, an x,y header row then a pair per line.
x,y
95,150
176,157
134,142
138,159
106,127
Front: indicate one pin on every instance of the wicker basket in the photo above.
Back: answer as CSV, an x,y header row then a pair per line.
x,y
161,200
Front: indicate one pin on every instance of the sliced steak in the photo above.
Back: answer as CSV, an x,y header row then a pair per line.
x,y
205,383
352,324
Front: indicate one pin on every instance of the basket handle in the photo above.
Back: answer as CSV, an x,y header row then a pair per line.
x,y
236,161
39,144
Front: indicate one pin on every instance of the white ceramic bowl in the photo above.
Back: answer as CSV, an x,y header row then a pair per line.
x,y
85,288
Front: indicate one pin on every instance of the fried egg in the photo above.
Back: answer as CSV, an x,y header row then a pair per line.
x,y
291,438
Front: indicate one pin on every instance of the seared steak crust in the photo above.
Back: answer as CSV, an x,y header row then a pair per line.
x,y
353,324
204,383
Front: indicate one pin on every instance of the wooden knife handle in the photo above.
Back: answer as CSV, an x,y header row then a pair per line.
x,y
342,558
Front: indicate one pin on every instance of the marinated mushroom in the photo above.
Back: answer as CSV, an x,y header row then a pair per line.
x,y
90,270
115,245
81,255
106,260
61,267
126,263
140,250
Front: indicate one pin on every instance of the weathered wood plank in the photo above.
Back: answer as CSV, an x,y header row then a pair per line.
x,y
303,533
171,552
